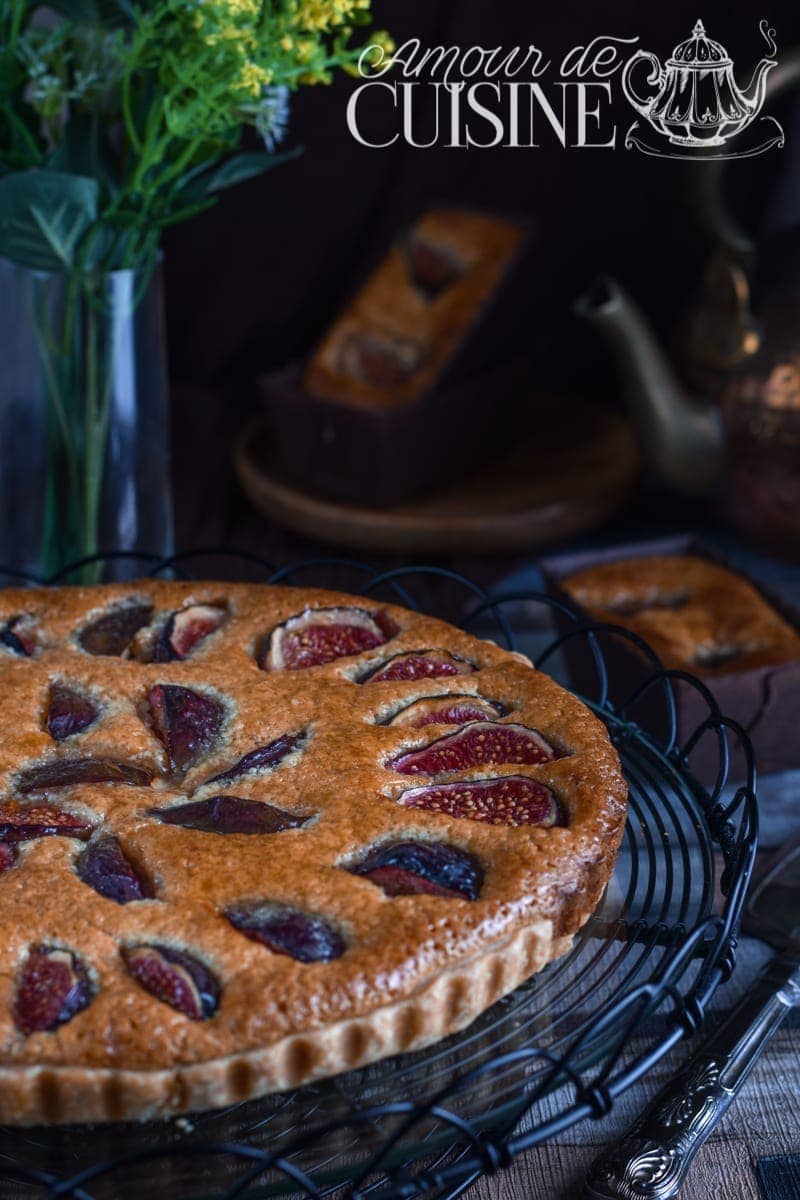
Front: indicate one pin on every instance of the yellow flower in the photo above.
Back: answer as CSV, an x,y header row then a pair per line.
x,y
253,78
240,8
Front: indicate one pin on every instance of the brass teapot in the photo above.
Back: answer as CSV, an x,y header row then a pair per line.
x,y
698,102
740,440
727,426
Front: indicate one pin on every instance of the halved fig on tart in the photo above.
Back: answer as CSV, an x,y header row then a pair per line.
x,y
69,710
105,867
510,800
53,986
421,868
304,936
263,758
69,772
479,744
321,635
186,722
449,709
174,977
419,664
18,635
229,814
182,633
113,631
24,822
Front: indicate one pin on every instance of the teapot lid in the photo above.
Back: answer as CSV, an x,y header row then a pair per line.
x,y
700,51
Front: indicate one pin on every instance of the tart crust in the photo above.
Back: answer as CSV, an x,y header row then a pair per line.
x,y
415,968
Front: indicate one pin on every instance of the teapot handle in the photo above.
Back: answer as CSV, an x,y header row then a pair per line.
x,y
708,184
655,77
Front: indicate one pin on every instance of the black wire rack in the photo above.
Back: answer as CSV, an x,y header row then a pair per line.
x,y
557,1051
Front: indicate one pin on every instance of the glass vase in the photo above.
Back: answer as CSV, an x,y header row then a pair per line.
x,y
84,421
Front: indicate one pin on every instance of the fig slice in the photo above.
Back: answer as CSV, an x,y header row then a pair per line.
x,y
8,856
24,822
69,710
104,867
52,987
513,800
300,935
67,772
422,868
186,722
480,744
447,710
432,268
320,635
419,664
175,977
382,361
17,635
229,814
113,632
185,629
263,758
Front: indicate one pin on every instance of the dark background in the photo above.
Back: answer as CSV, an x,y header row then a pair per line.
x,y
253,282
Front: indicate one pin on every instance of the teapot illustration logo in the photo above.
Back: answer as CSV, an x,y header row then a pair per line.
x,y
697,106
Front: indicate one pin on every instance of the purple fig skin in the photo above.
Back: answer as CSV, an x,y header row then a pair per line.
x,y
8,856
104,867
69,711
112,633
299,935
53,986
479,744
430,868
174,977
261,759
433,269
67,772
229,814
187,723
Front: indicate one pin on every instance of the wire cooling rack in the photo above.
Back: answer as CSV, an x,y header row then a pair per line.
x,y
557,1051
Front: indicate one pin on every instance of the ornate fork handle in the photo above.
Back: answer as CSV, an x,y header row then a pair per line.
x,y
651,1161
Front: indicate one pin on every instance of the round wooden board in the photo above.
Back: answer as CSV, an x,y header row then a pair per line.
x,y
569,477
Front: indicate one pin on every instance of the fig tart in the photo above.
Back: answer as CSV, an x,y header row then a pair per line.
x,y
251,836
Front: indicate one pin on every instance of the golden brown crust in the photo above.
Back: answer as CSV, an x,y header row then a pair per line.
x,y
429,329
280,1021
694,613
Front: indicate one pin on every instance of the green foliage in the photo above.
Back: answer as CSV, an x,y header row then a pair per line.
x,y
120,117
44,217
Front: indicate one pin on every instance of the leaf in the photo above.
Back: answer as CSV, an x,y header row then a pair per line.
x,y
245,166
43,217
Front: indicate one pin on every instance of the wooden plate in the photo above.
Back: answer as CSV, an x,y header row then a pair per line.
x,y
572,475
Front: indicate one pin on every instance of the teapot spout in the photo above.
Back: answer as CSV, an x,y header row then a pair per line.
x,y
682,439
756,90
